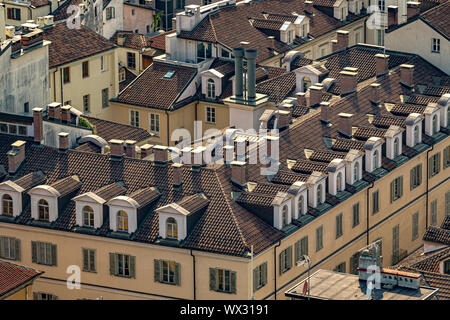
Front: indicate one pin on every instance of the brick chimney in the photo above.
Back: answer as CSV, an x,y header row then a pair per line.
x,y
412,9
348,81
301,98
392,16
342,39
381,64
16,156
63,138
407,74
130,149
116,148
325,111
38,125
272,41
239,172
160,154
375,92
345,123
315,95
177,174
146,150
284,118
54,110
65,113
334,45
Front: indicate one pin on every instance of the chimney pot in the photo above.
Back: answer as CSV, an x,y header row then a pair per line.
x,y
334,45
375,93
272,41
54,110
63,138
238,72
239,172
65,113
251,55
407,74
342,39
16,156
38,125
130,149
228,153
348,80
345,123
413,9
392,16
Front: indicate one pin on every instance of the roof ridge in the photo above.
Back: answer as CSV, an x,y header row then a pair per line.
x,y
213,28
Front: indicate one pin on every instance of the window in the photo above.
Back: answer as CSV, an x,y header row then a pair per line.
x,y
301,249
447,157
88,217
396,147
380,37
26,107
43,253
284,217
85,67
319,194
222,280
341,267
203,51
433,213
211,92
154,123
9,248
447,267
3,127
447,203
356,172
319,238
354,262
102,63
434,164
105,96
436,45
44,296
122,265
210,114
122,221
89,264
172,228
304,30
122,75
7,205
260,276
132,13
13,14
147,28
381,5
110,13
134,118
355,214
436,126
357,36
396,188
395,241
131,60
300,205
306,84
339,182
12,129
323,52
416,135
338,225
415,226
285,259
416,176
224,53
66,75
375,159
22,130
43,210
86,103
167,272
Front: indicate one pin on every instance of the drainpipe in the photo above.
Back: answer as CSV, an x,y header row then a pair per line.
x,y
367,212
426,194
251,273
193,267
61,81
275,267
168,131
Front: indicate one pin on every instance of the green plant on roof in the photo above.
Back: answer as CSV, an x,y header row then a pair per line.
x,y
83,122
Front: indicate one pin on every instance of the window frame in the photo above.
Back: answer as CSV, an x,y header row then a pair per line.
x,y
122,221
43,210
154,125
210,115
91,264
8,204
85,69
319,238
135,118
416,176
90,215
435,45
355,215
339,225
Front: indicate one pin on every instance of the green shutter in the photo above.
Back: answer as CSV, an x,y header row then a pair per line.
x,y
16,249
297,250
392,191
157,270
2,246
255,279
264,273
112,263
232,281
85,254
53,254
289,257
92,260
305,251
213,279
133,267
177,274
282,261
430,169
412,174
400,187
33,251
420,174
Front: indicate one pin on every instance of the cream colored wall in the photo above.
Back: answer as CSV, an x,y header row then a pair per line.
x,y
222,115
122,56
92,85
2,22
27,13
22,294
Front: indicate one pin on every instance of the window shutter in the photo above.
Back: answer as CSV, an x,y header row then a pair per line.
x,y
16,249
233,281
177,274
255,279
35,296
400,194
2,246
412,174
92,261
392,191
419,175
53,255
305,252
47,257
213,279
438,169
289,257
282,261
264,273
133,267
297,250
33,251
112,263
157,270
85,259
430,169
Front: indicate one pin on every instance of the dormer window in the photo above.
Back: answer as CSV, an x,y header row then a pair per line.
x,y
416,135
211,89
339,182
356,171
375,159
43,210
172,228
319,194
285,216
122,221
7,205
306,83
301,202
88,216
435,124
396,147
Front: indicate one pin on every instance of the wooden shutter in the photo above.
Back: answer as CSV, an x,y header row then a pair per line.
x,y
419,174
289,257
297,249
400,187
85,259
255,278
53,254
412,175
133,267
33,251
16,249
35,296
2,246
113,264
282,261
213,276
392,190
232,281
305,246
264,273
177,274
157,270
92,260
438,163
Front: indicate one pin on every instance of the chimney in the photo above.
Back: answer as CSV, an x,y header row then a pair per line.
x,y
348,81
38,125
239,172
40,22
65,113
16,156
301,98
177,174
240,147
345,123
412,9
160,154
48,20
284,118
130,149
120,39
228,154
54,110
315,95
375,93
146,150
334,45
63,138
116,148
238,72
407,74
197,157
392,16
342,39
308,3
325,111
272,41
381,64
251,55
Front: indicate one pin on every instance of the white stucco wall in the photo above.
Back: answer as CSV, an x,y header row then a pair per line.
x,y
116,23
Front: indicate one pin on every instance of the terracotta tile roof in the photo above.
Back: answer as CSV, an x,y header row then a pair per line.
x,y
364,133
144,90
67,185
62,13
255,199
437,235
69,45
436,90
159,41
112,130
325,156
299,111
305,166
145,196
446,223
129,77
132,40
39,3
347,144
111,190
266,24
194,203
387,121
278,88
267,188
324,3
438,18
421,99
31,180
300,62
88,147
13,276
407,109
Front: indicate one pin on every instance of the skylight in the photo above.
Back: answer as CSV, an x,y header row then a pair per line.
x,y
169,74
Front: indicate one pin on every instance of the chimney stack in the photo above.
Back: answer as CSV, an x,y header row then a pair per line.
x,y
284,118
38,125
130,149
238,72
412,9
348,80
381,64
228,154
146,150
239,172
177,174
342,39
160,154
315,95
65,113
251,55
334,45
240,146
407,74
272,41
392,16
16,156
375,93
325,111
345,124
301,98
63,138
116,148
54,110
